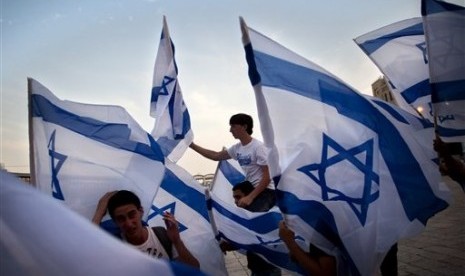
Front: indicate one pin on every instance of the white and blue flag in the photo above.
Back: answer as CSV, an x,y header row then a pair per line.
x,y
181,195
345,167
81,151
444,25
41,236
253,231
172,128
399,51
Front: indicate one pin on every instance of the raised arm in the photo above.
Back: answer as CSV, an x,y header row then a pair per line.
x,y
322,265
102,208
210,154
172,230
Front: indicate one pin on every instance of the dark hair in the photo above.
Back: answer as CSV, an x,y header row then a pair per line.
x,y
246,187
121,198
242,119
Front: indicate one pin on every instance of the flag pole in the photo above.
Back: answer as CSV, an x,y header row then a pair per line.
x,y
32,171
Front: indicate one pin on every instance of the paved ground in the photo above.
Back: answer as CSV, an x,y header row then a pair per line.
x,y
438,250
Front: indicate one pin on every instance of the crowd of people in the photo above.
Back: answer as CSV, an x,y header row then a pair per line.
x,y
255,194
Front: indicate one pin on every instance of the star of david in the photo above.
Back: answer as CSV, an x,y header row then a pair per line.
x,y
448,48
367,193
57,160
163,89
422,47
155,211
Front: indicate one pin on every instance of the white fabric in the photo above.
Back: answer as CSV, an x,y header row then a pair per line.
x,y
181,195
346,166
41,236
81,151
172,128
251,158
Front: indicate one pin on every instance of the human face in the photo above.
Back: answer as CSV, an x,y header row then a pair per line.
x,y
128,218
237,131
237,195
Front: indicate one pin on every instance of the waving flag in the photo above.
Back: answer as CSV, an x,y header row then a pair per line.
x,y
254,231
172,128
444,25
345,167
80,151
181,195
40,236
399,51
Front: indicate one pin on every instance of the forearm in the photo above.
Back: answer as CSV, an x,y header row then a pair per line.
x,y
184,255
259,188
455,168
210,154
311,265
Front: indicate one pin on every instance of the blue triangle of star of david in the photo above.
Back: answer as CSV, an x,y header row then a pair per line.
x,y
57,160
155,211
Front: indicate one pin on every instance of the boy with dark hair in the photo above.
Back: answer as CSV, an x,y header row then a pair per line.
x,y
126,211
255,263
252,157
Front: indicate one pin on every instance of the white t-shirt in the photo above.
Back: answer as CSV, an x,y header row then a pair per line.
x,y
153,246
251,157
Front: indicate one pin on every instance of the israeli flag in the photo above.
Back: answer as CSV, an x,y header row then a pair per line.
x,y
181,195
399,51
444,25
81,151
172,128
345,167
41,236
254,231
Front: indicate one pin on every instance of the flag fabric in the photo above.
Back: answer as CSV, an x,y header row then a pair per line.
x,y
172,128
345,167
245,230
399,51
181,195
41,236
81,151
444,25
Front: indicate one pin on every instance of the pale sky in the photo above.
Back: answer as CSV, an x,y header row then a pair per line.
x,y
103,52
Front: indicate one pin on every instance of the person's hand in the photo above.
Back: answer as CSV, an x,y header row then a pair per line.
x,y
286,234
440,147
102,207
226,246
245,201
172,227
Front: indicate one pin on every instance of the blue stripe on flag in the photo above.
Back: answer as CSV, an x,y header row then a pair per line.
x,y
416,91
450,91
111,134
277,258
391,111
305,81
232,175
450,132
370,46
189,196
261,224
317,216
